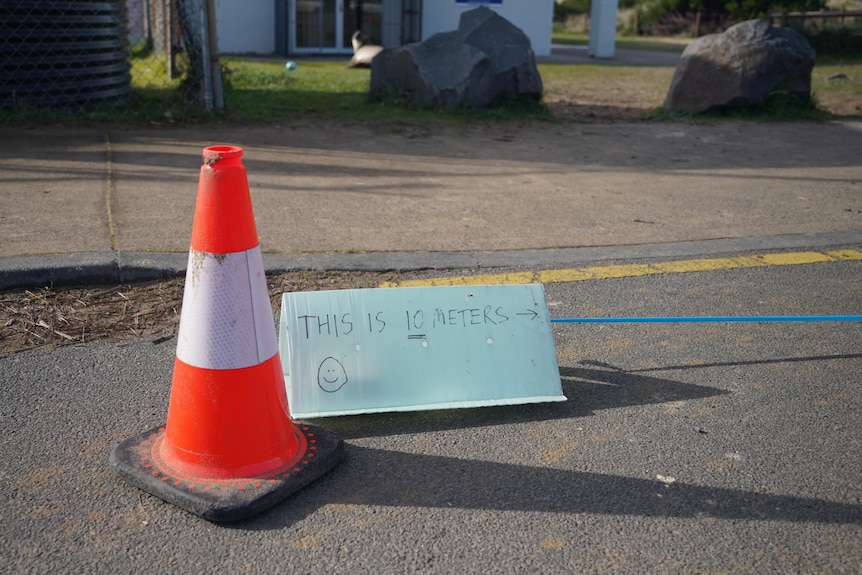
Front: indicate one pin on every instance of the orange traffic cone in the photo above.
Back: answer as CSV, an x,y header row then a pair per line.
x,y
229,448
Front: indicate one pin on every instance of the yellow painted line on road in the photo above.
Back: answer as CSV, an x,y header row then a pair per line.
x,y
639,270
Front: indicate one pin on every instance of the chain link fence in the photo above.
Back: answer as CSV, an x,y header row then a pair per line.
x,y
127,58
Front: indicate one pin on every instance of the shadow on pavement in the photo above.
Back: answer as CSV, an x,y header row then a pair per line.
x,y
393,478
739,363
595,389
381,477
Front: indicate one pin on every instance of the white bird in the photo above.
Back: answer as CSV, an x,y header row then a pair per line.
x,y
363,52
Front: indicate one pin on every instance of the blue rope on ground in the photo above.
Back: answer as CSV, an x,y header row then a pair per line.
x,y
710,319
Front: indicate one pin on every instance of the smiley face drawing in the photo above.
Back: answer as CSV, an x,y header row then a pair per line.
x,y
331,375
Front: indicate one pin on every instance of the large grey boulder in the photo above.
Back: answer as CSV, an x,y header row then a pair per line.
x,y
440,71
509,49
485,61
740,68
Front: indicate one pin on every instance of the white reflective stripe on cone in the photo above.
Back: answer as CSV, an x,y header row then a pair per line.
x,y
226,321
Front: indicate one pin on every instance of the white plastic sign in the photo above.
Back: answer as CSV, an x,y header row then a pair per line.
x,y
405,349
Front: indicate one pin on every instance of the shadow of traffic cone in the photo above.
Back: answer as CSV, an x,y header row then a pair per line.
x,y
229,448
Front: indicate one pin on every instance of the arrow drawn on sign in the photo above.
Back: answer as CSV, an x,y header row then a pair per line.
x,y
533,314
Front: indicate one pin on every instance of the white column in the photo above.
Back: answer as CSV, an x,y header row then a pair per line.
x,y
603,28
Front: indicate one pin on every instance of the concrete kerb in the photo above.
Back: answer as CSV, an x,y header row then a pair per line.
x,y
89,268
109,268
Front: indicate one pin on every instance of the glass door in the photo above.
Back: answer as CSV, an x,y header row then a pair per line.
x,y
317,26
327,26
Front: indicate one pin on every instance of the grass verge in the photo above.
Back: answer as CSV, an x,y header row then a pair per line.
x,y
263,90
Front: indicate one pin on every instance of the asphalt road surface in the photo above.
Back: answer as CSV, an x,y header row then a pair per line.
x,y
696,448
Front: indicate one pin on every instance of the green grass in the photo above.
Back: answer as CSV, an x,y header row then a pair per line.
x,y
617,84
850,87
262,90
150,71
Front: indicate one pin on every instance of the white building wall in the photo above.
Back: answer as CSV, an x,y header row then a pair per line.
x,y
534,17
246,27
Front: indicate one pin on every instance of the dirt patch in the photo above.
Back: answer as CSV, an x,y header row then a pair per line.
x,y
599,113
48,318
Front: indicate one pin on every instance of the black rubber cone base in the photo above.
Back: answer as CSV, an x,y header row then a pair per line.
x,y
222,500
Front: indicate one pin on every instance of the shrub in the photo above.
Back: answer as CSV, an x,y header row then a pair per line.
x,y
836,43
674,17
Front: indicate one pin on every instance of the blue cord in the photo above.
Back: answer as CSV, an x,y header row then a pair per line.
x,y
713,319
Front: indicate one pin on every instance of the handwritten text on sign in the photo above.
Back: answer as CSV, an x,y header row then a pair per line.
x,y
376,322
357,351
